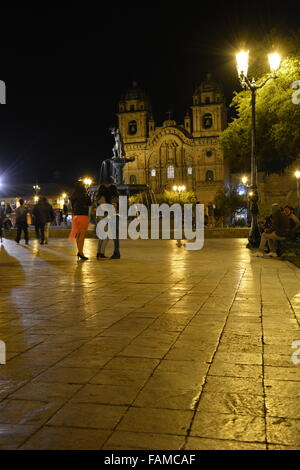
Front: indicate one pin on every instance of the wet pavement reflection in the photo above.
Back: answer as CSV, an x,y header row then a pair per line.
x,y
163,349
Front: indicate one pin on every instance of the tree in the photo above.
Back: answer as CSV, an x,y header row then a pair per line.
x,y
278,119
227,204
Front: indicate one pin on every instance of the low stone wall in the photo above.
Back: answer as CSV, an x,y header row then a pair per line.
x,y
231,232
209,233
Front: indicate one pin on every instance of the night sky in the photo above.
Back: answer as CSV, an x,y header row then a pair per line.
x,y
66,68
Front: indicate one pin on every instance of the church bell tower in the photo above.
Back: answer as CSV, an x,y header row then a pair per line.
x,y
134,115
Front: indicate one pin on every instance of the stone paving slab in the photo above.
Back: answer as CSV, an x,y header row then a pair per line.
x,y
163,349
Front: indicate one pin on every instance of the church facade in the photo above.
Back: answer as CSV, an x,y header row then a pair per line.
x,y
186,154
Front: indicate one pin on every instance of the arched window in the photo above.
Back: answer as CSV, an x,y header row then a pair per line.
x,y
190,171
171,172
209,176
132,128
132,179
207,121
153,173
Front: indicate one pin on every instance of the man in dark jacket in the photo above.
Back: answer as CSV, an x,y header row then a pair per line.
x,y
43,213
21,222
279,230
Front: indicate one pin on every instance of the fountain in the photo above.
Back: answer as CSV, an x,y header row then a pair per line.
x,y
112,169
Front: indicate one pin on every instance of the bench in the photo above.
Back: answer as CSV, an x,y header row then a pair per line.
x,y
290,248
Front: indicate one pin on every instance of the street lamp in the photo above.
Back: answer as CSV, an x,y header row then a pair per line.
x,y
179,189
242,59
88,182
37,189
297,174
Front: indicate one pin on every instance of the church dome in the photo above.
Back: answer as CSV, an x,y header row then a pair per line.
x,y
209,85
134,93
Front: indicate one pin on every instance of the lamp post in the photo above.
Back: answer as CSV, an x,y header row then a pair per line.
x,y
297,174
242,59
179,190
36,189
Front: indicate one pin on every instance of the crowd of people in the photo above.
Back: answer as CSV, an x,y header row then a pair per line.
x,y
42,215
280,225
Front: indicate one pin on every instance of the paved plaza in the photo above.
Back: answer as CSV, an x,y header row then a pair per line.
x,y
165,349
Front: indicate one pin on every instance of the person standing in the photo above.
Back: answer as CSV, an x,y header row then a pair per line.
x,y
21,222
81,203
2,218
102,197
44,215
211,214
65,214
108,194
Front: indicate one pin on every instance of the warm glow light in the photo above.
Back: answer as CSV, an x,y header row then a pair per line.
x,y
242,59
274,60
88,181
175,188
64,196
297,174
183,188
244,180
251,193
36,199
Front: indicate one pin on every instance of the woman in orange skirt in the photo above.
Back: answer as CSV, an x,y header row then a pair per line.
x,y
81,203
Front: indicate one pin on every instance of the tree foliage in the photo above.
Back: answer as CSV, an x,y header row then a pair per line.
x,y
229,203
172,197
167,197
278,119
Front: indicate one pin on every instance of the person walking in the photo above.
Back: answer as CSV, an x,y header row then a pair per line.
x,y
44,215
81,203
279,230
21,222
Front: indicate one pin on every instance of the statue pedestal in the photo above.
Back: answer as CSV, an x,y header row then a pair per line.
x,y
118,166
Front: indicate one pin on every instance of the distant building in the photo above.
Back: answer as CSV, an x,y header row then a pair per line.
x,y
176,154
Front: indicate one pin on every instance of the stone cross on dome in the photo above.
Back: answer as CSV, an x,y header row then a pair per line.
x,y
169,114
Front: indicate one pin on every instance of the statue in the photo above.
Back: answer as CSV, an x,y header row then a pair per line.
x,y
112,169
118,149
